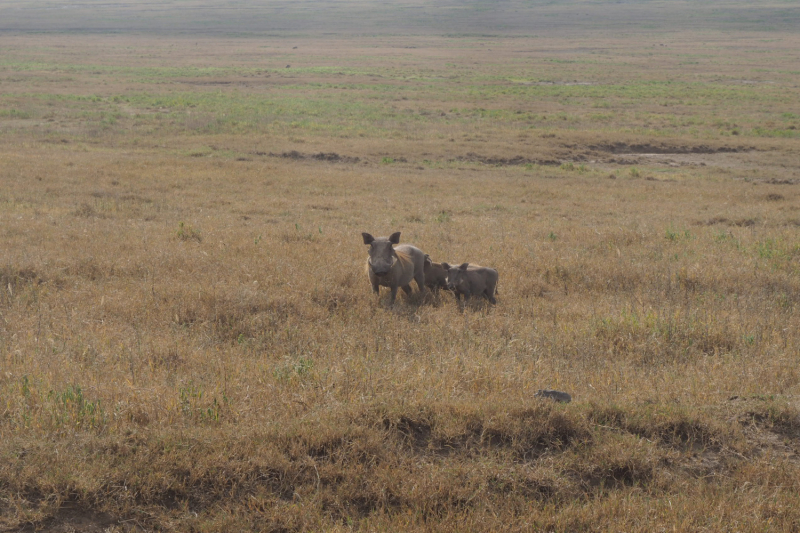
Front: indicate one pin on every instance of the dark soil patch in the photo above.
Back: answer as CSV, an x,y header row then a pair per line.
x,y
741,223
19,276
677,431
472,157
414,432
331,157
71,519
784,422
663,149
623,161
617,474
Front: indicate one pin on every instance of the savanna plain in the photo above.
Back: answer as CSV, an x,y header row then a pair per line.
x,y
188,338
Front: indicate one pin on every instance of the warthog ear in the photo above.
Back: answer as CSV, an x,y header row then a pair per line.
x,y
394,238
428,260
464,266
367,238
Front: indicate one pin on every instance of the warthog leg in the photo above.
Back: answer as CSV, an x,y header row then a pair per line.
x,y
420,279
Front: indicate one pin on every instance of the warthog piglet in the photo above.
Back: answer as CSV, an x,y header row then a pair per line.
x,y
472,280
435,274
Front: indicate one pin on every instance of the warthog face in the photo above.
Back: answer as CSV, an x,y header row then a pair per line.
x,y
435,274
456,275
381,253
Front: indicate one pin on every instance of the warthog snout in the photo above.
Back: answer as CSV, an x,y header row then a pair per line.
x,y
380,271
381,266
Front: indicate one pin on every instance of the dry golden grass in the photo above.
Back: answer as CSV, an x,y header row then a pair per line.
x,y
188,340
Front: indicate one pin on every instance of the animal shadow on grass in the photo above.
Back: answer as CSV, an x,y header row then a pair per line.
x,y
475,304
411,304
437,298
445,298
415,300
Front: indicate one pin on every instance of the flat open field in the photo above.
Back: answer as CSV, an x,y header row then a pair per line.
x,y
188,338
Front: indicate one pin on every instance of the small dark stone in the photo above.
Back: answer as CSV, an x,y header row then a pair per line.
x,y
553,395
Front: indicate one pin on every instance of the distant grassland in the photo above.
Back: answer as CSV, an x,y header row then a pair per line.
x,y
377,101
667,76
188,339
364,17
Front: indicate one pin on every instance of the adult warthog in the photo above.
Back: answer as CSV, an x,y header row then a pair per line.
x,y
469,279
392,266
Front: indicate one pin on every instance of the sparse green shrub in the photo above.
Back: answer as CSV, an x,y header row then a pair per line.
x,y
768,249
187,233
193,407
674,235
15,113
72,409
300,368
